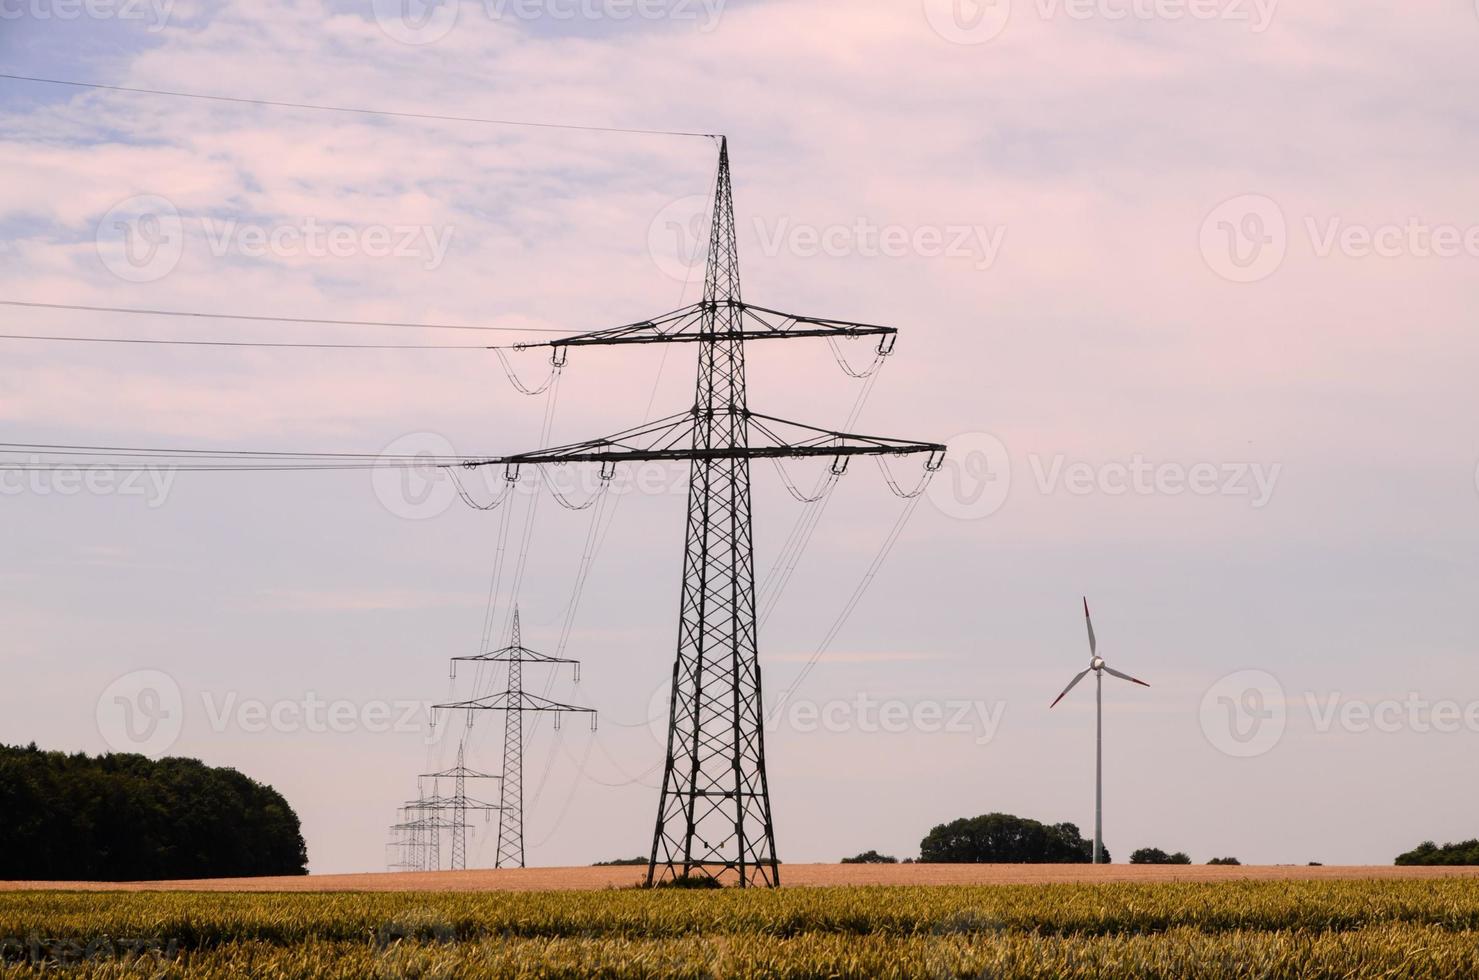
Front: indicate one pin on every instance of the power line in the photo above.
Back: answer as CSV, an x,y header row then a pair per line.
x,y
240,343
136,311
349,109
225,453
133,459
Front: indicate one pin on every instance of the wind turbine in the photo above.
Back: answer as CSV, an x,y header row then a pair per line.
x,y
1100,668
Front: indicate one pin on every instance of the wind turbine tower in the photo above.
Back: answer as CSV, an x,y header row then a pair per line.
x,y
1099,668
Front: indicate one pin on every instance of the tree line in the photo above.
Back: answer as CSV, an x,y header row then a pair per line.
x,y
124,817
1001,838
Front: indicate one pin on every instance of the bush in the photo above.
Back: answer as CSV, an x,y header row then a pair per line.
x,y
1227,861
1154,855
123,817
1000,838
621,862
690,881
870,857
1428,853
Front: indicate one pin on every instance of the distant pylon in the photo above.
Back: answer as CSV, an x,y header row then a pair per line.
x,y
514,702
459,802
419,835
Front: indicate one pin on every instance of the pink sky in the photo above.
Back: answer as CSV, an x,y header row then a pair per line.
x,y
1103,327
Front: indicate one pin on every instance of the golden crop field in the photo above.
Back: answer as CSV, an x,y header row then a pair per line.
x,y
1396,928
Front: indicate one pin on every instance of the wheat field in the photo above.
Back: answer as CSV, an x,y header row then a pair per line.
x,y
1414,926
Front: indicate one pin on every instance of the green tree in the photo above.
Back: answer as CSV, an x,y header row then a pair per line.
x,y
870,857
125,817
1154,855
1000,838
1428,853
1227,861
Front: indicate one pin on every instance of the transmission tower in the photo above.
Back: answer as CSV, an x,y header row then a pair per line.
x,y
713,817
459,803
406,844
419,834
514,702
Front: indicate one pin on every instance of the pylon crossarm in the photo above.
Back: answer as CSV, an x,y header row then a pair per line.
x,y
687,325
509,701
456,771
522,654
768,438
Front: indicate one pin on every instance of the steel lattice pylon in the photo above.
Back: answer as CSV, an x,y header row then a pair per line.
x,y
459,802
714,815
514,702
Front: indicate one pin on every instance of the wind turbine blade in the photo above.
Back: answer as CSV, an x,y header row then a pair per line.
x,y
1124,677
1093,643
1078,677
